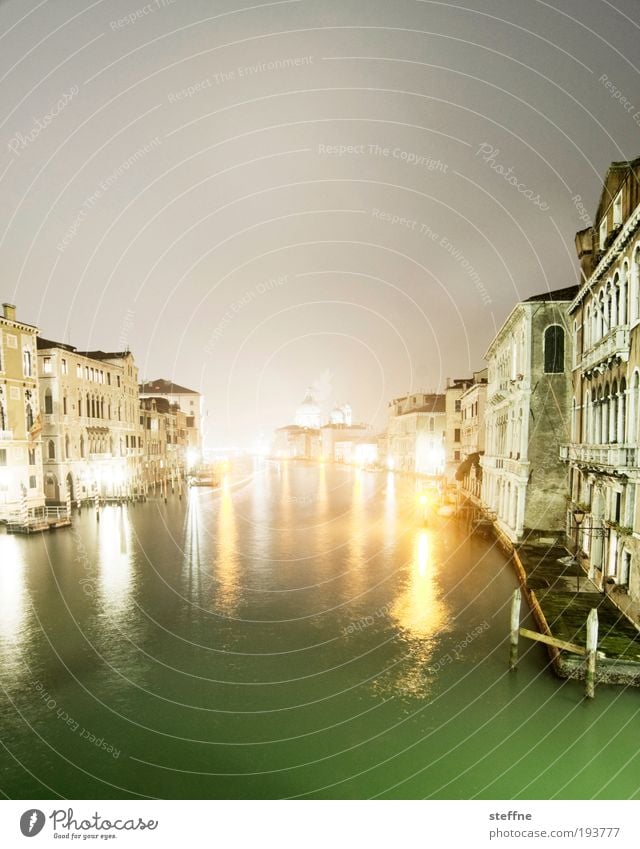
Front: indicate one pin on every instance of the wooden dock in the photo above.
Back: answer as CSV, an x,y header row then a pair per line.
x,y
39,520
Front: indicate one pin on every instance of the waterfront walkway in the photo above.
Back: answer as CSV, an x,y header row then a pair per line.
x,y
561,596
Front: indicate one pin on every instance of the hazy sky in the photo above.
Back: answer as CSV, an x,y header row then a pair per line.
x,y
255,198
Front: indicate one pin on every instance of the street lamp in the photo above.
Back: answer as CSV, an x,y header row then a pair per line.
x,y
592,532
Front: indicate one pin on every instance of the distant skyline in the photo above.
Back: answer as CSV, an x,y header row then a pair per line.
x,y
251,198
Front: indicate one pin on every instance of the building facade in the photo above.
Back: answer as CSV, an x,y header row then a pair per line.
x,y
416,433
527,417
165,443
454,390
473,411
21,481
297,442
603,450
91,435
188,400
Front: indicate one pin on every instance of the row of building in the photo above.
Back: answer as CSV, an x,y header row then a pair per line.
x,y
549,434
546,438
76,424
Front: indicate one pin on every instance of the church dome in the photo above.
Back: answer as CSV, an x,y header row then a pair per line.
x,y
308,413
336,416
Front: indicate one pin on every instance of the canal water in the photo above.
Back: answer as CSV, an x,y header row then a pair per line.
x,y
297,633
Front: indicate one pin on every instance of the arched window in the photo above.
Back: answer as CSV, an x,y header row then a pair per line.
x,y
82,446
613,420
29,415
586,342
598,417
608,302
600,316
66,447
554,349
586,415
51,450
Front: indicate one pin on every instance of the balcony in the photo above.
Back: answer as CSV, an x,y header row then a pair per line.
x,y
516,467
6,435
613,346
602,456
498,391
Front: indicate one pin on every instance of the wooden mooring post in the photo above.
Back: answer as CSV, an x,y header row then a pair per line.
x,y
590,653
515,629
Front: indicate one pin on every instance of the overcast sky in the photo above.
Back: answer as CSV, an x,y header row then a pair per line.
x,y
351,193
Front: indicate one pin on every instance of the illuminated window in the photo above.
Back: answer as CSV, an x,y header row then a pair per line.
x,y
46,365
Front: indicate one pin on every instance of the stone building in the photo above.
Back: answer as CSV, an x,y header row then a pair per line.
x,y
91,434
188,400
454,390
165,442
416,433
472,409
528,403
344,441
21,483
295,441
603,450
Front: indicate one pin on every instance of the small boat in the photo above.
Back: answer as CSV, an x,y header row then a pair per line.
x,y
203,476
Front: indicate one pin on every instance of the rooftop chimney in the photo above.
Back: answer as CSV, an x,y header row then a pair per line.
x,y
9,311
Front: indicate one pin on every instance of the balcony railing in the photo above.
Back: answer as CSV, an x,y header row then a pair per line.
x,y
614,344
499,389
514,466
610,456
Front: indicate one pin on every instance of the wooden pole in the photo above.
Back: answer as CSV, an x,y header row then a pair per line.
x,y
515,629
592,648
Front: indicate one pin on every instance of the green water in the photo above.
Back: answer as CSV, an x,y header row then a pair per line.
x,y
298,634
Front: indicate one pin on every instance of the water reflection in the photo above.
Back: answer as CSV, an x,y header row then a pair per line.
x,y
13,598
390,510
419,610
357,531
192,561
114,560
227,562
421,614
